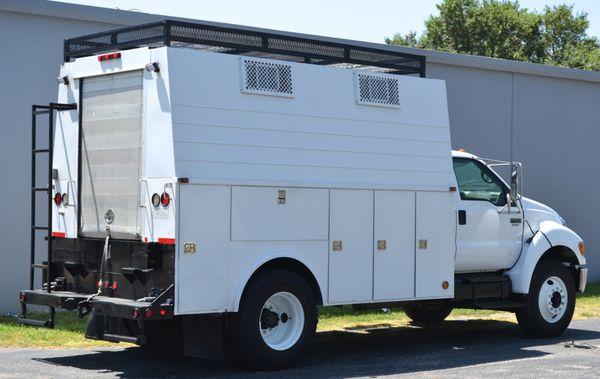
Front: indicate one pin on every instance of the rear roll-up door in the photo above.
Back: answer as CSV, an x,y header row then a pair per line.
x,y
110,155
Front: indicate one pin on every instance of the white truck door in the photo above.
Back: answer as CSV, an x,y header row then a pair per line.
x,y
202,260
488,237
394,246
351,246
435,248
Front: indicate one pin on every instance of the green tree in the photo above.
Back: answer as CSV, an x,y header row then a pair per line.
x,y
502,29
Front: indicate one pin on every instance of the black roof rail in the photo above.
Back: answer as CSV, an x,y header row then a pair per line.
x,y
240,41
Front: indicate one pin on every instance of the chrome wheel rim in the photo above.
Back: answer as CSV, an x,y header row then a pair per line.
x,y
553,299
281,321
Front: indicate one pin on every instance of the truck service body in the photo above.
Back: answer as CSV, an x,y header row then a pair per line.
x,y
215,196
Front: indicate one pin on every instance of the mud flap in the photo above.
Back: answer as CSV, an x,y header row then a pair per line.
x,y
95,326
204,336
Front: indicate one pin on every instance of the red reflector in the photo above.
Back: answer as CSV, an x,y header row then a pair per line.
x,y
114,285
148,312
135,313
100,283
165,199
166,241
106,57
163,312
59,234
57,199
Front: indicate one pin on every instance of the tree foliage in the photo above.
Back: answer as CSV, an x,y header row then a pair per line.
x,y
503,29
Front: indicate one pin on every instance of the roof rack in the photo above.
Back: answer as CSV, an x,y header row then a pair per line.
x,y
243,42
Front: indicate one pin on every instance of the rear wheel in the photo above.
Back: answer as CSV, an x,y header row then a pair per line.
x,y
550,304
276,321
427,312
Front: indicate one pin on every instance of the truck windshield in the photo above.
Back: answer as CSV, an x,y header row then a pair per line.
x,y
477,182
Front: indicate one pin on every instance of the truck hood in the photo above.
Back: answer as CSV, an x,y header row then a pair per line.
x,y
535,213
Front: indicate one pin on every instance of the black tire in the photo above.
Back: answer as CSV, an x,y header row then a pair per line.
x,y
427,312
530,317
244,336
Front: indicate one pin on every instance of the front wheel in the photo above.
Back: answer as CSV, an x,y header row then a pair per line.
x,y
276,321
550,304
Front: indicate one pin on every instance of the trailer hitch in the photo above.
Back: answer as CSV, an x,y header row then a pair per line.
x,y
84,308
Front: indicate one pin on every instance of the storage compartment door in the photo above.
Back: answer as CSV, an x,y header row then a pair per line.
x,y
110,154
394,245
201,273
435,244
351,246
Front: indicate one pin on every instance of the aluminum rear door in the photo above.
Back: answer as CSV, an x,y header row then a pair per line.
x,y
110,154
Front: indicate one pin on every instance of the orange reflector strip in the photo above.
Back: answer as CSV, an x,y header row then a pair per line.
x,y
59,234
166,241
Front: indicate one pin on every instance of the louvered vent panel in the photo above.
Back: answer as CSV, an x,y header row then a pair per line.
x,y
267,78
377,90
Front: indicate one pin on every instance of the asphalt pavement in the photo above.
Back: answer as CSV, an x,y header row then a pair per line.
x,y
461,349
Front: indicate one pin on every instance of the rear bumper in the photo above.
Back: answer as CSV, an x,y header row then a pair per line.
x,y
159,308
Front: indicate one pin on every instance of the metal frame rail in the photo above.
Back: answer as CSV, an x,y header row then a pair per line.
x,y
242,41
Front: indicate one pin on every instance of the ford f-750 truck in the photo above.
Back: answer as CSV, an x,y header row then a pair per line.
x,y
211,186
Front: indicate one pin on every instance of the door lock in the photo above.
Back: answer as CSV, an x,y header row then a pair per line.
x,y
337,246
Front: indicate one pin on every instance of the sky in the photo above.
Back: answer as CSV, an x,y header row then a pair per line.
x,y
370,20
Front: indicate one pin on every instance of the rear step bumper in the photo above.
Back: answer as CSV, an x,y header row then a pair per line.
x,y
159,308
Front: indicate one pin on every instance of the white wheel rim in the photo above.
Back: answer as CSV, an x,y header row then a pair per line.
x,y
284,330
553,299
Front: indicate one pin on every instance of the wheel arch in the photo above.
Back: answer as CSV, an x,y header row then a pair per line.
x,y
551,242
282,263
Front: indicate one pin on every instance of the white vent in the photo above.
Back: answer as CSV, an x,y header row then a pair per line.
x,y
266,78
377,90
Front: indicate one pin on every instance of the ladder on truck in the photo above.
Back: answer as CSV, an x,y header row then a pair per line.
x,y
46,267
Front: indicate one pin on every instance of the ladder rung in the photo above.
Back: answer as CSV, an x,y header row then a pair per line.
x,y
42,266
39,227
41,150
41,189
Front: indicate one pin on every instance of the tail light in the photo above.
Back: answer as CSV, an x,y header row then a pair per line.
x,y
57,199
148,313
22,297
162,312
107,57
165,199
135,313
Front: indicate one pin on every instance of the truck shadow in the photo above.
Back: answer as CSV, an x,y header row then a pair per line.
x,y
369,352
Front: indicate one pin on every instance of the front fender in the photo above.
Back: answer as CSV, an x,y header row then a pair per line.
x,y
560,235
550,234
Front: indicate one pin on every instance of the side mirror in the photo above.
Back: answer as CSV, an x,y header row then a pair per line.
x,y
515,182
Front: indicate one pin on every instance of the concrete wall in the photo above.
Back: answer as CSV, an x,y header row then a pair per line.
x,y
554,111
555,130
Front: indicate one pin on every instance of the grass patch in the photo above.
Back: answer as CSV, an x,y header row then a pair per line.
x,y
69,330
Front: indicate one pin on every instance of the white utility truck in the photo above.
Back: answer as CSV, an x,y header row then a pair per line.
x,y
211,186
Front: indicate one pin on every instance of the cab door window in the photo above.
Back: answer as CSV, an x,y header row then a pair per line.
x,y
477,182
